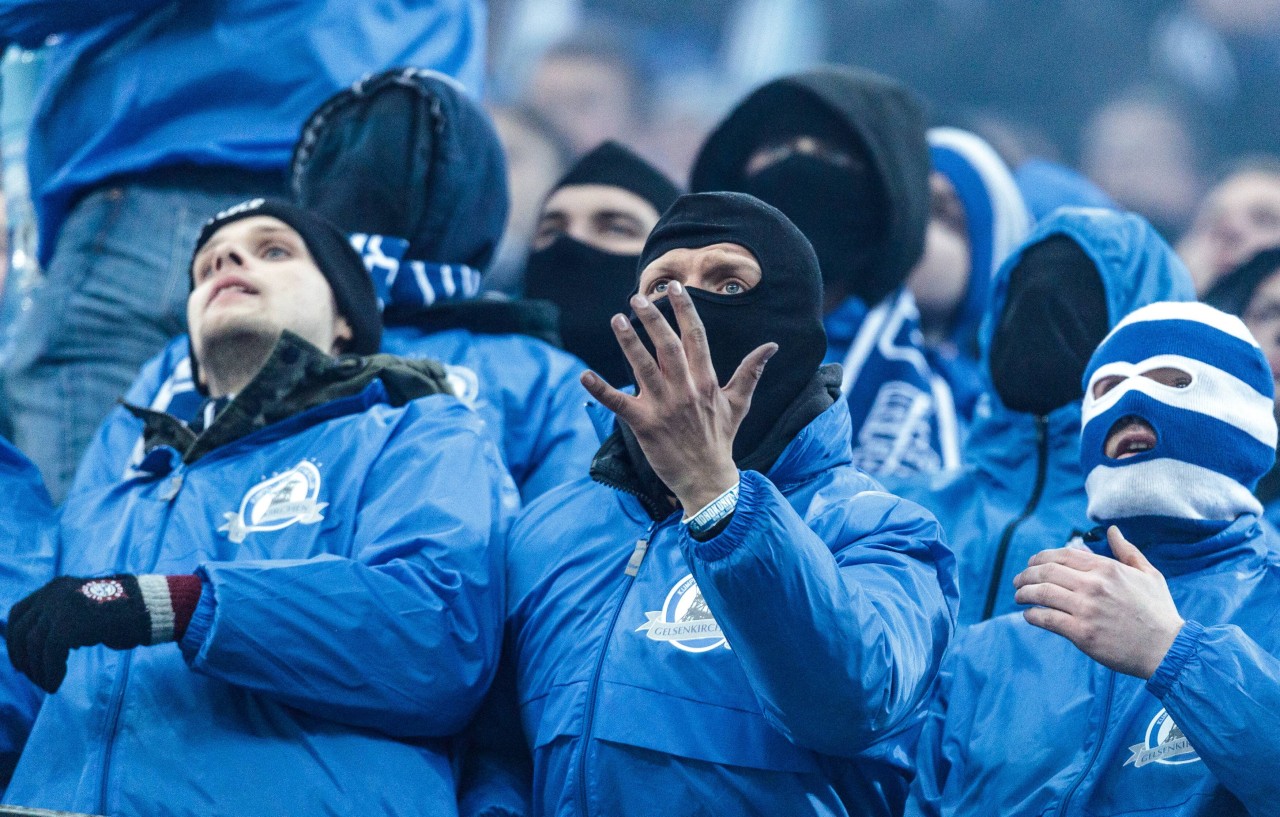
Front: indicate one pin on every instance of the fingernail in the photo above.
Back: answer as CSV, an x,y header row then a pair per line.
x,y
769,355
639,301
676,288
619,322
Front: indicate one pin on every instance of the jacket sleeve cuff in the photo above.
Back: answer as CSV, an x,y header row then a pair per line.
x,y
1184,646
201,621
752,491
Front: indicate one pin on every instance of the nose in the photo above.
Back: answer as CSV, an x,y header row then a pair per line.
x,y
229,257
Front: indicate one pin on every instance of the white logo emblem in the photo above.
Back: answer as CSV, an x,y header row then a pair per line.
x,y
896,436
278,502
685,621
464,383
103,590
1164,744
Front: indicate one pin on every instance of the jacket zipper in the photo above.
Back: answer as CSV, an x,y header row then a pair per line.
x,y
629,577
175,478
1006,538
1097,747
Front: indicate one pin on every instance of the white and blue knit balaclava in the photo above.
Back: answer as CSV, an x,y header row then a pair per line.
x,y
1215,431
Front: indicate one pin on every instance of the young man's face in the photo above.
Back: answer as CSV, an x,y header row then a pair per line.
x,y
255,277
602,216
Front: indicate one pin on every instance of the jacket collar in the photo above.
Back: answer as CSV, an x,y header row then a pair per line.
x,y
295,378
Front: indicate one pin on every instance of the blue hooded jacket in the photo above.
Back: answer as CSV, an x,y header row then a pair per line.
x,y
1024,723
137,85
1021,489
27,538
338,642
997,222
777,668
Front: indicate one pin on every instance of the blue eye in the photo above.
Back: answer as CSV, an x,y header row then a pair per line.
x,y
734,288
275,253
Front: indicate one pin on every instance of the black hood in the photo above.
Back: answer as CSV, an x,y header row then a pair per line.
x,y
407,153
1233,293
881,114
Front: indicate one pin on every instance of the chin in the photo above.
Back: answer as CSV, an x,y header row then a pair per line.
x,y
235,331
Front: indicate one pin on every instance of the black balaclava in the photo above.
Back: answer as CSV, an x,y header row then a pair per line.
x,y
785,307
1053,319
590,285
840,209
868,223
338,263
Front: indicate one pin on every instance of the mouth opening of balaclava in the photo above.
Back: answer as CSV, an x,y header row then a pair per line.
x,y
1213,426
1055,315
834,195
785,307
588,284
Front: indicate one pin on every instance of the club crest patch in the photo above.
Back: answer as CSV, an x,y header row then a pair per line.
x,y
103,590
1164,743
286,499
685,622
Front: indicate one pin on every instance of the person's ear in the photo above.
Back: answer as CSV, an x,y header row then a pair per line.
x,y
342,335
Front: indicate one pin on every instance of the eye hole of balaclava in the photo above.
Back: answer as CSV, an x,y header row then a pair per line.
x,y
1054,316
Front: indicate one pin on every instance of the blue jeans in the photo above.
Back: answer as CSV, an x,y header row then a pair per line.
x,y
114,293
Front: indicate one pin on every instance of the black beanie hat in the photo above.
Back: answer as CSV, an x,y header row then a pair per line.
x,y
785,307
338,263
614,165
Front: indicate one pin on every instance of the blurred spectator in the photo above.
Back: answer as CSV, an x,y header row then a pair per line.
x,y
152,116
1224,55
1239,217
589,88
976,219
1141,149
537,156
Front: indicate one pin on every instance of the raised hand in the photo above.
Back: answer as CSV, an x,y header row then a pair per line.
x,y
1117,611
682,418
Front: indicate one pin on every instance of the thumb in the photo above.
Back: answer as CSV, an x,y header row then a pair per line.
x,y
1126,552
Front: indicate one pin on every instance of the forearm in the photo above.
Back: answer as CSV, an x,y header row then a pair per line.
x,y
389,647
833,649
1222,689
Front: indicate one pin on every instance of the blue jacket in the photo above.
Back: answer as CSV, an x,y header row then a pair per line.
x,y
997,220
339,640
1021,489
27,538
526,391
135,85
838,601
1026,724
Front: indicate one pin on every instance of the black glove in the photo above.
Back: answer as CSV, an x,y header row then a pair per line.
x,y
69,612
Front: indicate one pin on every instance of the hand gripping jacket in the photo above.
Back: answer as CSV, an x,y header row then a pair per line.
x,y
1026,724
777,668
348,625
1021,489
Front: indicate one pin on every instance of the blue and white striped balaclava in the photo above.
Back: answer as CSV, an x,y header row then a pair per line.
x,y
1197,378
